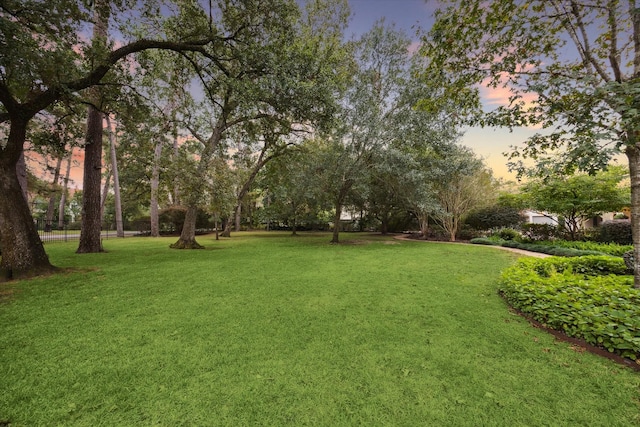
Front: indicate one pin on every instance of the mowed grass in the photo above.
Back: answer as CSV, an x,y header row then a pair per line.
x,y
272,330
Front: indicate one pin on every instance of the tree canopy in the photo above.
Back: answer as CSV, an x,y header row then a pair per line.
x,y
571,68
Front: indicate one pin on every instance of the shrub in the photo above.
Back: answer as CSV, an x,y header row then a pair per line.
x,y
551,250
592,265
539,232
616,231
579,297
467,233
494,217
485,241
605,248
509,234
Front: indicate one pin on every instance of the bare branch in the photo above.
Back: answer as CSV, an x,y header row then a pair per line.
x,y
635,14
614,56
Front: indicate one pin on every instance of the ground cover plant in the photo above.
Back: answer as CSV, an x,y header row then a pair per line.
x,y
605,248
557,247
266,329
587,297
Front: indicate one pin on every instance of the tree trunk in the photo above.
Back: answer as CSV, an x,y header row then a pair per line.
x,y
90,241
116,179
187,237
176,148
105,193
21,171
238,216
63,196
453,230
227,228
336,224
633,154
23,254
424,225
52,196
155,182
384,226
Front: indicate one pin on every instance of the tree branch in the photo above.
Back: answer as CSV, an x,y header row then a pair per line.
x,y
46,98
635,16
613,48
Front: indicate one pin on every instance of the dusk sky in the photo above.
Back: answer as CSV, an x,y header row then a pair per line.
x,y
488,143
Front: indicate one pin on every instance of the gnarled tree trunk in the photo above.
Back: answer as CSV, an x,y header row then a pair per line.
x,y
187,237
23,254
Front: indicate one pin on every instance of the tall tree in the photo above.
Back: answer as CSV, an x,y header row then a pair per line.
x,y
380,69
65,189
116,177
90,239
571,67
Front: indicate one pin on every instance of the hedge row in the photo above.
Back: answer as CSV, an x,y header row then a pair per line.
x,y
607,248
536,247
579,296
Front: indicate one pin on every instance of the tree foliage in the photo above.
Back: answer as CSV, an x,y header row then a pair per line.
x,y
578,197
570,67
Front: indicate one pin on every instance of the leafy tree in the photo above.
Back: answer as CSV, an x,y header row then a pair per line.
x,y
370,105
458,183
90,238
571,67
282,77
291,186
578,197
495,216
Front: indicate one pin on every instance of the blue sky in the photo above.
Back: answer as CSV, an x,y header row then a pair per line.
x,y
487,143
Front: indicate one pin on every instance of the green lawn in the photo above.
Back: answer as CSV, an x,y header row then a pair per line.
x,y
267,329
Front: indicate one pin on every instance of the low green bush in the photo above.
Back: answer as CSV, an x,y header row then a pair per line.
x,y
614,249
616,231
539,232
594,265
580,297
494,217
485,241
550,250
509,234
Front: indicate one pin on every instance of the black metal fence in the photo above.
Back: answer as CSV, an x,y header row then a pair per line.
x,y
52,231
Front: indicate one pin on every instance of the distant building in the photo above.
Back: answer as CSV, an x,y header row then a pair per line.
x,y
534,217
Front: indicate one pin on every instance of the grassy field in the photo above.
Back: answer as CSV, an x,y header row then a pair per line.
x,y
272,330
